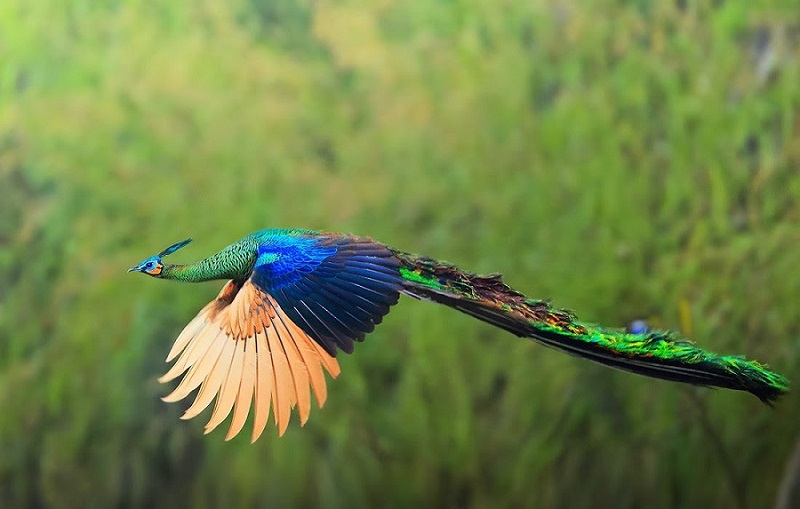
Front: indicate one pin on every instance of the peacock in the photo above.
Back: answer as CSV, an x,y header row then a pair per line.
x,y
295,297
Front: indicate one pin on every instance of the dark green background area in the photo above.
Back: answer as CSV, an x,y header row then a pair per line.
x,y
623,159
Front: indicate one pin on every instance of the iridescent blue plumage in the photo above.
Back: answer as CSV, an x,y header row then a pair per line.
x,y
284,259
336,288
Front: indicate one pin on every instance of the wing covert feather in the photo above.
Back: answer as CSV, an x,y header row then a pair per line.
x,y
334,287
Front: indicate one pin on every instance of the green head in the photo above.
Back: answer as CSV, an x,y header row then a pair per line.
x,y
153,266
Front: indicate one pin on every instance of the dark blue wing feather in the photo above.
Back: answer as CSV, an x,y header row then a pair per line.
x,y
336,288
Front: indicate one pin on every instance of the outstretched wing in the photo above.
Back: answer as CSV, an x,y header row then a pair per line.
x,y
266,340
336,287
242,348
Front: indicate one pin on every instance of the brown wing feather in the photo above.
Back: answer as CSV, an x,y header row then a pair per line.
x,y
246,387
242,349
298,369
263,394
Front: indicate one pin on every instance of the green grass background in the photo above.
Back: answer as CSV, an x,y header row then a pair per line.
x,y
623,159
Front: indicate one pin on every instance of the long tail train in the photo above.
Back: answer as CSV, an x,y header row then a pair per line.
x,y
656,354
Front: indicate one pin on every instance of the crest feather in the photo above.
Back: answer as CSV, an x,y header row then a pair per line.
x,y
174,247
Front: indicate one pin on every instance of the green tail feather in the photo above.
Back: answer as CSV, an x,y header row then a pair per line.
x,y
657,354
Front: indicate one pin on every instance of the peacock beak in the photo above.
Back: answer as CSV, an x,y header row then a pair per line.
x,y
136,268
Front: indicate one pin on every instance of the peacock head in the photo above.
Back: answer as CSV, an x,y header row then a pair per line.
x,y
153,266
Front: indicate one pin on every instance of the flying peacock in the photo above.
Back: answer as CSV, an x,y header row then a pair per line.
x,y
294,297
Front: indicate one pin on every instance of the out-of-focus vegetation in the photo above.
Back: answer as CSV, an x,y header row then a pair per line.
x,y
625,159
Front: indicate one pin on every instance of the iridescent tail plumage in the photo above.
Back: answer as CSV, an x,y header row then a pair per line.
x,y
657,354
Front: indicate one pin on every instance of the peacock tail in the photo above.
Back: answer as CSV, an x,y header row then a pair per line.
x,y
658,354
296,297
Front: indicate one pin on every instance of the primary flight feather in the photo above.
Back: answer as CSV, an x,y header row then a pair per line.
x,y
295,297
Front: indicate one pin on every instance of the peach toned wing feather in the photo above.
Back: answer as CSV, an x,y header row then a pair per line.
x,y
243,350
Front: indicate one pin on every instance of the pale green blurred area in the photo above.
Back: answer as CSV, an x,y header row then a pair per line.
x,y
624,159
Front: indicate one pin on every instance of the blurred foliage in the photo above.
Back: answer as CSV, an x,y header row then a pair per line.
x,y
626,159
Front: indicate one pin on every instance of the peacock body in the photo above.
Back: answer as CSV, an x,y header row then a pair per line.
x,y
295,297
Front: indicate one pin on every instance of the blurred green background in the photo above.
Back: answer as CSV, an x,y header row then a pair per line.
x,y
623,159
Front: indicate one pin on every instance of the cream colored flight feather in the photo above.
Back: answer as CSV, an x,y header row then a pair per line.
x,y
241,348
